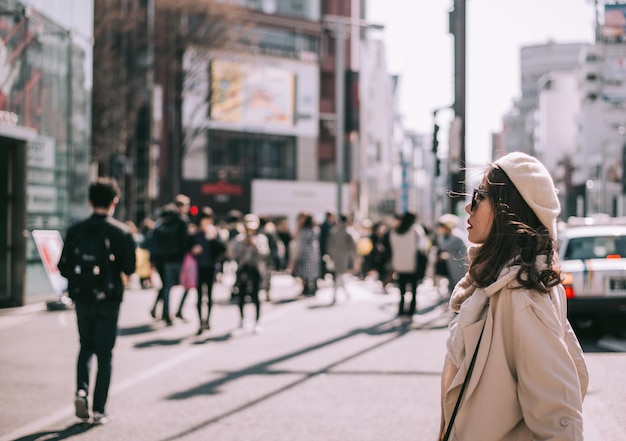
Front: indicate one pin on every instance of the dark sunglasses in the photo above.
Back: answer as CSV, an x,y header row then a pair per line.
x,y
477,196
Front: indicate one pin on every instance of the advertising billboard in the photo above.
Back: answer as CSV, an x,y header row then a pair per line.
x,y
251,94
614,21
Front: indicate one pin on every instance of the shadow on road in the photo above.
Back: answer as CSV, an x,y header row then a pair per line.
x,y
395,328
159,342
136,330
56,435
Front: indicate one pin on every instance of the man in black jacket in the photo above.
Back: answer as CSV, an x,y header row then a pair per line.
x,y
170,242
97,314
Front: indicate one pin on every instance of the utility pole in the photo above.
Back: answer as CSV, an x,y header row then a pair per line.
x,y
340,60
457,28
337,25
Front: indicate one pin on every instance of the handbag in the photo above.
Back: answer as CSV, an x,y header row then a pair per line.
x,y
446,437
189,272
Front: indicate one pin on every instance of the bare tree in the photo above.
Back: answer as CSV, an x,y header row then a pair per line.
x,y
137,45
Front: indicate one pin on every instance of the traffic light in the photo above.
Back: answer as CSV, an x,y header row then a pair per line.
x,y
435,140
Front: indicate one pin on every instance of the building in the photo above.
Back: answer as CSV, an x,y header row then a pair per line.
x,y
45,131
556,129
535,62
598,165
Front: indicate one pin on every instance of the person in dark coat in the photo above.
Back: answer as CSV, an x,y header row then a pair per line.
x,y
209,251
170,243
97,318
324,234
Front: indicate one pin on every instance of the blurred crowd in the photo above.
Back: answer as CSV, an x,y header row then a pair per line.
x,y
175,250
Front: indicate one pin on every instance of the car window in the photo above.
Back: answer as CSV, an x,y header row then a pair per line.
x,y
597,247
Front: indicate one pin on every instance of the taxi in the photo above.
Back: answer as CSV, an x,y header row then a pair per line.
x,y
592,252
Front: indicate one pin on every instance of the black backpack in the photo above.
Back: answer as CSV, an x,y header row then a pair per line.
x,y
91,277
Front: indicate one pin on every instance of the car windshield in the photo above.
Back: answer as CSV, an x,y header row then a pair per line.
x,y
598,247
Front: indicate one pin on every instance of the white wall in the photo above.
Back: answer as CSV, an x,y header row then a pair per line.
x,y
288,198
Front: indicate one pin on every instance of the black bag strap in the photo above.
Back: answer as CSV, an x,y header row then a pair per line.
x,y
446,437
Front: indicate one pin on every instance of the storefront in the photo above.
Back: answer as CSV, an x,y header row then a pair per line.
x,y
13,146
44,144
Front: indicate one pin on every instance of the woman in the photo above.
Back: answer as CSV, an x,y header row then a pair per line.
x,y
250,250
529,376
408,242
209,251
305,254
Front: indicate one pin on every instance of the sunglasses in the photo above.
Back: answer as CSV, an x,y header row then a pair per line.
x,y
477,196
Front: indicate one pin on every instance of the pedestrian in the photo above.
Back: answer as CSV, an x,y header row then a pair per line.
x,y
209,251
183,204
305,253
235,227
170,243
144,266
341,248
96,252
249,250
510,342
409,244
324,232
380,257
274,259
451,249
284,234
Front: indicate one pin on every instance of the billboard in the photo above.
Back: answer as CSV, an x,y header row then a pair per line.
x,y
251,94
614,21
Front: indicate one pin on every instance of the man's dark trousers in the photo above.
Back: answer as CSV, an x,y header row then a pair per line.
x,y
97,327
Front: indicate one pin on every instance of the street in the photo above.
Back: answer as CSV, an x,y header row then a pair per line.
x,y
349,371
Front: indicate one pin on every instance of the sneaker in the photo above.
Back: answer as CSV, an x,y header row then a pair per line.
x,y
257,329
101,418
81,405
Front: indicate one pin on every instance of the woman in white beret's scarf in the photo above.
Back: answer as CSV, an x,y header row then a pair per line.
x,y
529,376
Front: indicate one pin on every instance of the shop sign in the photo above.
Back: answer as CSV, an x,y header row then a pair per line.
x,y
221,188
41,199
50,245
41,153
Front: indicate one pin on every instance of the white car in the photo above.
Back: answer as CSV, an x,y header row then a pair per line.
x,y
592,252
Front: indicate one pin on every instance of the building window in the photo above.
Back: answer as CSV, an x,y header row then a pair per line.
x,y
242,156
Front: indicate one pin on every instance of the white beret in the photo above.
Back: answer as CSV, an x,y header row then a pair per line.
x,y
534,183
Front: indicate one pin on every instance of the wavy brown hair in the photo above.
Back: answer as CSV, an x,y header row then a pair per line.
x,y
516,236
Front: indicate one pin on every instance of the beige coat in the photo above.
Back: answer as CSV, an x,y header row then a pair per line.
x,y
530,376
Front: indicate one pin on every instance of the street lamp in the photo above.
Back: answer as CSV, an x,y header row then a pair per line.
x,y
336,25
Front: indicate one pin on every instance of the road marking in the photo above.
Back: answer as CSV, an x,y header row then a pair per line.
x,y
192,351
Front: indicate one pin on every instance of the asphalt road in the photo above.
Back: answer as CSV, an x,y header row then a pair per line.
x,y
349,371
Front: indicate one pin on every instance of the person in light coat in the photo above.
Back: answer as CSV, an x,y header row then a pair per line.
x,y
408,244
529,377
